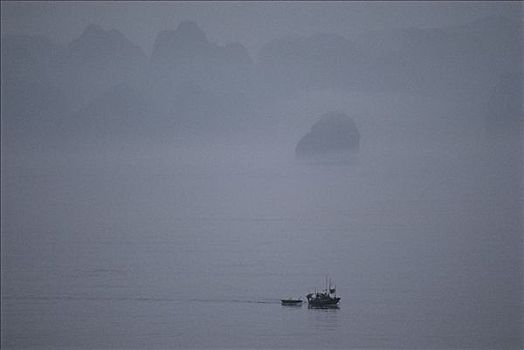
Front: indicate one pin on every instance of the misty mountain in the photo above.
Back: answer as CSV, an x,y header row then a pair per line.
x,y
186,54
32,103
452,60
97,60
97,46
40,48
27,84
201,110
43,83
121,115
333,132
126,116
193,85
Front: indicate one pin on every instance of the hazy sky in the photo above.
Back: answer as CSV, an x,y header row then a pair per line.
x,y
251,23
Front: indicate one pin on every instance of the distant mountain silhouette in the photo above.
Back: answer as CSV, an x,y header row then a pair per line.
x,y
39,48
185,54
191,83
97,46
26,80
202,110
119,104
97,60
333,132
107,80
121,114
455,59
451,60
180,46
32,102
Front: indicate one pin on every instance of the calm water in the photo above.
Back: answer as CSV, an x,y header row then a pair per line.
x,y
198,253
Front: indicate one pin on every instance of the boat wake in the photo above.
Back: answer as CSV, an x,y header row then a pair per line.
x,y
243,301
139,299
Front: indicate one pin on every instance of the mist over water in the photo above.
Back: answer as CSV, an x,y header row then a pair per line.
x,y
154,199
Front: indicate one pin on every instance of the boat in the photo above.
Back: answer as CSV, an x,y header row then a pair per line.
x,y
324,298
291,301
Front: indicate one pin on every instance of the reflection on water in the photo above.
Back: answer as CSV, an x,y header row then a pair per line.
x,y
323,318
324,307
292,306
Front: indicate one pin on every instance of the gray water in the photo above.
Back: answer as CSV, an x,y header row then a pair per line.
x,y
194,250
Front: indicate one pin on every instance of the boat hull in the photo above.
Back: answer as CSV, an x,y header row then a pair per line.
x,y
324,302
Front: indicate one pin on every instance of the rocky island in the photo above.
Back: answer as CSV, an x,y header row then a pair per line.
x,y
333,133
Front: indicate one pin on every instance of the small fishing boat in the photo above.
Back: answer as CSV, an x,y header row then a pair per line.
x,y
324,298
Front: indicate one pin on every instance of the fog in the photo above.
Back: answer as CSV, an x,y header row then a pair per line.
x,y
155,183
